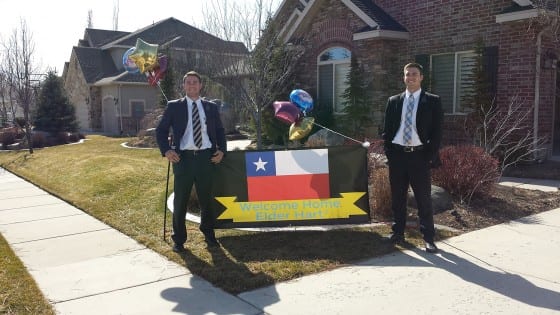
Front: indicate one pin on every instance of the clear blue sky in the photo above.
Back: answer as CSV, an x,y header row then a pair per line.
x,y
57,26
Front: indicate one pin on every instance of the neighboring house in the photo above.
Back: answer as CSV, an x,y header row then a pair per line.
x,y
519,58
112,101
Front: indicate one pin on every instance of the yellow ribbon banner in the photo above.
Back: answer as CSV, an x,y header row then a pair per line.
x,y
291,210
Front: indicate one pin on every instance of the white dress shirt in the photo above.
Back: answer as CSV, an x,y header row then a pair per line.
x,y
187,141
415,139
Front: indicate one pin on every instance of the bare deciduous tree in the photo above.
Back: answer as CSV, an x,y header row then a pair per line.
x,y
8,107
19,69
265,76
548,15
231,21
116,15
90,18
505,133
268,72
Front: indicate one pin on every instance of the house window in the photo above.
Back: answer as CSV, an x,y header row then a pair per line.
x,y
452,79
334,65
137,109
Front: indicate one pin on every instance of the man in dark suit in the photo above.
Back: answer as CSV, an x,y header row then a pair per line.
x,y
200,143
412,134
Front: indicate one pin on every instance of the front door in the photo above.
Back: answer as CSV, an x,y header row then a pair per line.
x,y
110,122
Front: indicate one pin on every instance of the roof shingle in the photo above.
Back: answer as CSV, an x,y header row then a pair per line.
x,y
384,20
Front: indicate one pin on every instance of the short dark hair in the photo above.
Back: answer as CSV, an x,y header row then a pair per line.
x,y
193,74
414,65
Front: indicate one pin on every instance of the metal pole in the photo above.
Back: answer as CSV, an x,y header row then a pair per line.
x,y
166,193
165,201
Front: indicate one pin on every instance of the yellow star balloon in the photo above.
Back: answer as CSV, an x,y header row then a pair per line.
x,y
302,128
144,55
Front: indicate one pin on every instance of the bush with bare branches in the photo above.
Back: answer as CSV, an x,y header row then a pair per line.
x,y
466,171
506,134
379,187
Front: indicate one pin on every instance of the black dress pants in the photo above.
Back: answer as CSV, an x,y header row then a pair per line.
x,y
193,169
411,168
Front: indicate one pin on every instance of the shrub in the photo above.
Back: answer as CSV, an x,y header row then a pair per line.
x,y
39,139
74,137
315,142
8,136
466,171
379,187
376,155
380,195
62,137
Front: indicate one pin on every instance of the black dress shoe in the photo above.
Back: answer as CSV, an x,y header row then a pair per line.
x,y
179,248
396,238
431,247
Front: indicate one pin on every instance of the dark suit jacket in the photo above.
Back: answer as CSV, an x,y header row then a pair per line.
x,y
175,117
429,121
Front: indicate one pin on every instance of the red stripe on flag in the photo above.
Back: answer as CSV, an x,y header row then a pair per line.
x,y
289,187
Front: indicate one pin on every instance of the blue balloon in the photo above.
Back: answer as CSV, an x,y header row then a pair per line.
x,y
302,99
128,64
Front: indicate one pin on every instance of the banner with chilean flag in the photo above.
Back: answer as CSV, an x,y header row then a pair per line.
x,y
291,187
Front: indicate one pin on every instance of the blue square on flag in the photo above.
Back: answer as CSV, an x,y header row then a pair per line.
x,y
260,163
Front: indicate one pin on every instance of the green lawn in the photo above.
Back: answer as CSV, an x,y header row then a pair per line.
x,y
125,188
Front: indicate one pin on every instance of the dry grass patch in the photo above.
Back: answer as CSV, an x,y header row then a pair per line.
x,y
19,293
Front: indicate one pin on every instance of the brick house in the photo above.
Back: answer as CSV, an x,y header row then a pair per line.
x,y
519,58
112,101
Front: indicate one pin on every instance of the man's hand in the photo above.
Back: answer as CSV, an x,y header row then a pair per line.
x,y
172,156
217,157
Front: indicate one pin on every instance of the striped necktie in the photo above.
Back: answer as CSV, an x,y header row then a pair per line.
x,y
407,132
197,133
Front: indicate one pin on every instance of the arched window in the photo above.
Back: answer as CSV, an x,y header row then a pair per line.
x,y
333,67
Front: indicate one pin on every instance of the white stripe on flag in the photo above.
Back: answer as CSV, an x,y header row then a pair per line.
x,y
300,162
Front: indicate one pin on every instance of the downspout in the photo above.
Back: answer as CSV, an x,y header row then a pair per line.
x,y
537,95
120,109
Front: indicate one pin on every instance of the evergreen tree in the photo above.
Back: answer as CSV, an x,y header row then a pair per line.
x,y
54,113
357,111
479,100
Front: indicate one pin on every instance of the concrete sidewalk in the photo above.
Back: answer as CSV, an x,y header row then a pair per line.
x,y
85,267
547,185
507,269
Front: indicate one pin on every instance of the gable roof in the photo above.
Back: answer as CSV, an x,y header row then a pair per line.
x,y
383,20
95,61
379,24
97,38
180,34
518,10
